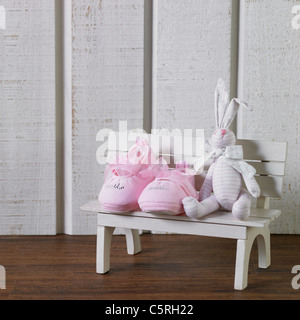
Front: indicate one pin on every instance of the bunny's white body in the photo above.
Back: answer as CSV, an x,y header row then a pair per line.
x,y
226,194
222,188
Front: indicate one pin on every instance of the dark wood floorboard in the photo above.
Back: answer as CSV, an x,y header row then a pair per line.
x,y
170,267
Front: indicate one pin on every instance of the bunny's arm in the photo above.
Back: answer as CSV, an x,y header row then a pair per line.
x,y
207,187
253,187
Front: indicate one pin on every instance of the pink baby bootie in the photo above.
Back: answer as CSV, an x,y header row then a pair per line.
x,y
166,192
127,178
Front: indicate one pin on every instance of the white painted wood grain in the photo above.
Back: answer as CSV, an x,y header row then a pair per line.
x,y
27,119
270,82
108,65
193,52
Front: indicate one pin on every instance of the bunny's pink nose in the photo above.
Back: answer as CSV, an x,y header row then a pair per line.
x,y
223,131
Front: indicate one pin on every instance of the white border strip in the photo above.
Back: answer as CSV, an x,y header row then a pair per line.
x,y
154,63
241,67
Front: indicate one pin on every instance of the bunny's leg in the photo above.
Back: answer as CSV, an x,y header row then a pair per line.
x,y
197,210
209,203
241,208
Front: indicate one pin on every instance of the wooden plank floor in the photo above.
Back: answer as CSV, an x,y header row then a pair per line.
x,y
169,268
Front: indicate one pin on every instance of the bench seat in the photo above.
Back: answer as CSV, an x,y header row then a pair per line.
x,y
258,218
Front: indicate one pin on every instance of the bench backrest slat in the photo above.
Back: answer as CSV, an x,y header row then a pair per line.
x,y
264,150
268,157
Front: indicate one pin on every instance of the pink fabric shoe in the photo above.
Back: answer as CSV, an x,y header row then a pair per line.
x,y
166,192
126,179
123,188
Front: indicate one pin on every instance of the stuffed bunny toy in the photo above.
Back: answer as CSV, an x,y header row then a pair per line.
x,y
222,188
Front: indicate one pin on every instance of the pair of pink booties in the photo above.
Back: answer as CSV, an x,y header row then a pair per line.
x,y
132,183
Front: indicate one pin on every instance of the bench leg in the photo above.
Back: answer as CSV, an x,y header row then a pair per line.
x,y
264,249
104,237
133,241
244,248
242,264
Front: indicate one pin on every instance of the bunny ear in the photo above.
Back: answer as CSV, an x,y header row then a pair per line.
x,y
221,102
232,111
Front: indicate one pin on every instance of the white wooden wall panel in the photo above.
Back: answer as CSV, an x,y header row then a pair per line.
x,y
270,82
27,118
193,52
107,79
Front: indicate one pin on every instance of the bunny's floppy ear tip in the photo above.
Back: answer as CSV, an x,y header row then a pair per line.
x,y
244,104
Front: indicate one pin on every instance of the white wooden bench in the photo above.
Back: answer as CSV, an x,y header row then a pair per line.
x,y
269,160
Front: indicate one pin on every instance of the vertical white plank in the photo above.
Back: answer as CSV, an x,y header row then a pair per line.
x,y
108,65
27,113
270,82
193,52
